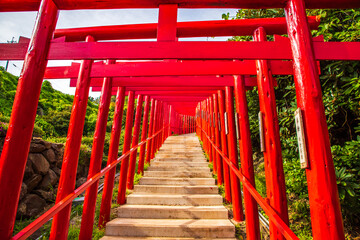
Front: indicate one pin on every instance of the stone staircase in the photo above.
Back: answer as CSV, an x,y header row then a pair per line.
x,y
176,199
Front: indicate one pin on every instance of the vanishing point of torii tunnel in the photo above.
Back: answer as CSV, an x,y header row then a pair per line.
x,y
185,87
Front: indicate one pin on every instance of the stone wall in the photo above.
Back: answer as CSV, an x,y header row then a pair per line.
x,y
41,177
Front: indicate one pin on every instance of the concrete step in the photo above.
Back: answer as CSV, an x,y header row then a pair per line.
x,y
179,168
172,212
189,174
174,199
176,159
176,189
160,238
184,164
202,228
176,181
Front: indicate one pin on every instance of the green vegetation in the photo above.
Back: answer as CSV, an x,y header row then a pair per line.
x,y
341,90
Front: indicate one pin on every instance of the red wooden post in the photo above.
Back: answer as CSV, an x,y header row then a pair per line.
x,y
135,141
156,127
121,198
148,144
203,126
217,141
170,119
323,194
112,156
144,135
212,133
60,224
224,146
87,220
208,130
233,155
247,167
16,147
152,141
274,172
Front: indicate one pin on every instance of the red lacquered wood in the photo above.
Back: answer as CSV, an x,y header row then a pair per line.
x,y
224,146
234,27
233,155
105,207
218,141
247,166
17,142
121,198
274,50
151,123
144,135
170,68
166,28
156,126
323,194
135,141
208,131
274,172
32,5
60,224
212,132
87,220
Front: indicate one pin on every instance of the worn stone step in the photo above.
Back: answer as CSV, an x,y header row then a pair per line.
x,y
184,164
189,174
179,168
174,199
172,212
176,159
202,228
176,189
160,238
176,181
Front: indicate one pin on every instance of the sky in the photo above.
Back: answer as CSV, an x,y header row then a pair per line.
x,y
15,24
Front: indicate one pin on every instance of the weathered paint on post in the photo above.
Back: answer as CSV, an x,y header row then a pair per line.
x,y
274,171
326,218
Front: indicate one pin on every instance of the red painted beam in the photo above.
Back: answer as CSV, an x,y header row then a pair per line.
x,y
33,5
238,27
278,50
179,99
164,68
208,81
172,93
172,88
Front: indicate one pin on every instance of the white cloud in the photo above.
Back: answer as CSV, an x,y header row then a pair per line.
x,y
21,24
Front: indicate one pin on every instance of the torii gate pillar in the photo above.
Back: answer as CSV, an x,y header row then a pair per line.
x,y
323,194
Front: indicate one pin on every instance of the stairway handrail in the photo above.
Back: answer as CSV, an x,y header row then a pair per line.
x,y
273,216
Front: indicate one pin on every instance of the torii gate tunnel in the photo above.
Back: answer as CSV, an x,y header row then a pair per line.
x,y
186,87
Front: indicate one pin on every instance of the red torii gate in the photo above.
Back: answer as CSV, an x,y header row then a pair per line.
x,y
300,48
